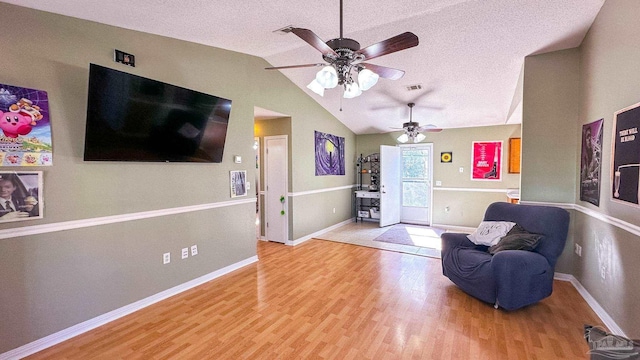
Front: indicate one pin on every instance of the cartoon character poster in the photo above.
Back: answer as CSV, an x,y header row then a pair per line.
x,y
486,160
329,154
626,156
25,130
590,162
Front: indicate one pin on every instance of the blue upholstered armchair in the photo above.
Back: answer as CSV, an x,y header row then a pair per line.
x,y
510,279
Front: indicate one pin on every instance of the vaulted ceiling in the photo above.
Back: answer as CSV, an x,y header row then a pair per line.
x,y
467,66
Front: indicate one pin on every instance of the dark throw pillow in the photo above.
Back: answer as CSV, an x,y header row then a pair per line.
x,y
516,239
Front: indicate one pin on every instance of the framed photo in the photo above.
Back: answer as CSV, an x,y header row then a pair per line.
x,y
590,162
486,160
625,162
20,195
238,183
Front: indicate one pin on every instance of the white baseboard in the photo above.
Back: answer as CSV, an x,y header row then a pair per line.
x,y
591,301
463,229
68,333
311,236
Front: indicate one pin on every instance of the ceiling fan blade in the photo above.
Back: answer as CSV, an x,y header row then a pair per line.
x,y
312,39
383,71
294,66
429,128
391,45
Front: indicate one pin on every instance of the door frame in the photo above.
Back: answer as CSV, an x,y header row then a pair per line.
x,y
266,186
429,180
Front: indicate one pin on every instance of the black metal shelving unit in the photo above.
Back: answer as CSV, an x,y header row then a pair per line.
x,y
367,195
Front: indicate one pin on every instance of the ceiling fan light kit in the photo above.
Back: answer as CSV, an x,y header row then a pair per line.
x,y
344,58
412,129
327,77
367,79
316,87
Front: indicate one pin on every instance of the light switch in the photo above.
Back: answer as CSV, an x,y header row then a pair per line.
x,y
237,159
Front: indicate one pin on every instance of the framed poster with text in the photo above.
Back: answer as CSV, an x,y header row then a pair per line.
x,y
625,162
486,160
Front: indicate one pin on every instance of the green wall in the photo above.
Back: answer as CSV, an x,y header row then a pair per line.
x,y
465,199
562,91
55,280
549,126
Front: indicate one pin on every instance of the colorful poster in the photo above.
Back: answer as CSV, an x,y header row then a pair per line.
x,y
626,156
25,130
590,162
20,195
329,154
486,160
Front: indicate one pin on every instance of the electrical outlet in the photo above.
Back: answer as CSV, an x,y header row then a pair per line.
x,y
447,209
248,185
578,250
334,210
194,250
461,169
185,253
166,258
438,183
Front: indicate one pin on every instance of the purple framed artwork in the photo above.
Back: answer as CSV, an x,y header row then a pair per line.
x,y
590,162
329,154
25,130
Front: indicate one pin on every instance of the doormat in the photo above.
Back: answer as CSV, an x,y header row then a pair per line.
x,y
414,235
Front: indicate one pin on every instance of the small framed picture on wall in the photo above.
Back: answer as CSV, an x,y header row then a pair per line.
x,y
20,195
238,183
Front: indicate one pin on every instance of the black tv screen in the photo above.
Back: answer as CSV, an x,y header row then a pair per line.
x,y
131,118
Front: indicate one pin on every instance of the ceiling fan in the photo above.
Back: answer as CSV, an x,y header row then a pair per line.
x,y
344,57
413,131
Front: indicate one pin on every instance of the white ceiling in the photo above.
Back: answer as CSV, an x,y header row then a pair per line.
x,y
469,60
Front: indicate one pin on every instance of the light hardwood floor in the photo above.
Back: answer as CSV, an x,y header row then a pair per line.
x,y
330,300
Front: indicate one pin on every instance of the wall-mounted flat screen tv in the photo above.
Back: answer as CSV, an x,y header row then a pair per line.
x,y
131,118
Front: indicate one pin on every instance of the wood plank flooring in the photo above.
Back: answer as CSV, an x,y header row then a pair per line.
x,y
328,300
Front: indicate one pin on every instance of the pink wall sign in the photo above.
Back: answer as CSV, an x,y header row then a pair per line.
x,y
486,160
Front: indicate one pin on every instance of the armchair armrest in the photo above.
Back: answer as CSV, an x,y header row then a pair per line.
x,y
519,272
453,240
515,262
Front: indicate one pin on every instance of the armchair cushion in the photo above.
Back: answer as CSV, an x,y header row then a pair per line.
x,y
517,239
490,232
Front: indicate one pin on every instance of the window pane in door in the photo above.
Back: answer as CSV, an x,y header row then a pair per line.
x,y
414,165
414,193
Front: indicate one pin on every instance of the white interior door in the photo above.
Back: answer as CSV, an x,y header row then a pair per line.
x,y
390,184
417,162
276,199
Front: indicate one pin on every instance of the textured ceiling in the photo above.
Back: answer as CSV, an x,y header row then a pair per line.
x,y
469,60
